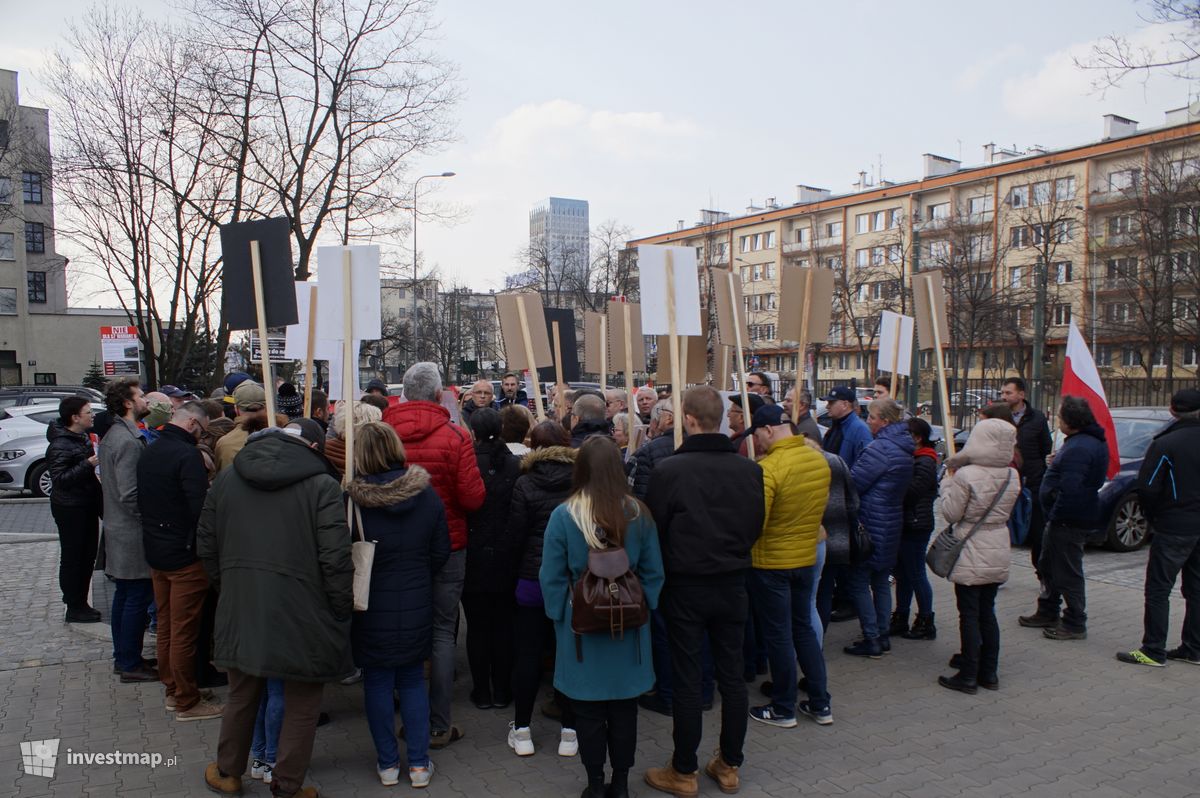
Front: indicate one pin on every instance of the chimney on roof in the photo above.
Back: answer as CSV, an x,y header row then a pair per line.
x,y
811,194
863,184
989,152
935,165
680,224
1116,127
772,204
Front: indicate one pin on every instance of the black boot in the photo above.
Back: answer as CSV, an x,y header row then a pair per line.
x,y
922,628
899,625
960,683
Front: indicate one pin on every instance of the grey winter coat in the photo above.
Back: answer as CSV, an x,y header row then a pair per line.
x,y
841,512
120,450
969,492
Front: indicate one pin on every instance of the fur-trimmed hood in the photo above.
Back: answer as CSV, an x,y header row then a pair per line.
x,y
389,489
548,454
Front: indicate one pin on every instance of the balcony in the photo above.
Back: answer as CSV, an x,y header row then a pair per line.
x,y
978,219
931,225
1110,196
829,243
1105,240
797,247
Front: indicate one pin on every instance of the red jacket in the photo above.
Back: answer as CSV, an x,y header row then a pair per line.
x,y
444,450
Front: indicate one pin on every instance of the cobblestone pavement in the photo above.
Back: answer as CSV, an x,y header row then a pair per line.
x,y
1068,721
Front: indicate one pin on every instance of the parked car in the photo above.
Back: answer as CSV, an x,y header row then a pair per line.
x,y
23,447
21,395
1127,528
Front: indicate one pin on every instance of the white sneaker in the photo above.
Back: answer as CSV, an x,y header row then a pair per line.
x,y
520,740
568,743
390,777
257,767
420,777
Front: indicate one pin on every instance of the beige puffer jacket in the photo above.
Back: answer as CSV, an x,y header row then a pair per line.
x,y
966,496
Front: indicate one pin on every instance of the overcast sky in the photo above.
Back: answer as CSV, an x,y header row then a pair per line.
x,y
653,110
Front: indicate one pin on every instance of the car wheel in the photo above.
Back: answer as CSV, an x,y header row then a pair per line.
x,y
1128,528
39,481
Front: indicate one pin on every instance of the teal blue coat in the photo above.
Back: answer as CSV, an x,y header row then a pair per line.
x,y
611,669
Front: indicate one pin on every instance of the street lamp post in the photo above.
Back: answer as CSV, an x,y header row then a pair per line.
x,y
416,270
1039,323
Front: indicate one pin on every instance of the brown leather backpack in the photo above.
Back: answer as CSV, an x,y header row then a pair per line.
x,y
608,598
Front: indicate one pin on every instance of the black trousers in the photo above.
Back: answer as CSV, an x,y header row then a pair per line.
x,y
1168,557
978,630
1061,568
719,610
606,726
490,642
78,537
1037,528
533,633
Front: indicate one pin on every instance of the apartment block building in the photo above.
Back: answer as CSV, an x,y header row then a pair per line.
x,y
1106,233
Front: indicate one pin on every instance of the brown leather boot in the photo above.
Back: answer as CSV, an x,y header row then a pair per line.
x,y
219,783
670,780
725,775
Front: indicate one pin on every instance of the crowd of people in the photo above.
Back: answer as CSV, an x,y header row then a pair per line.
x,y
651,576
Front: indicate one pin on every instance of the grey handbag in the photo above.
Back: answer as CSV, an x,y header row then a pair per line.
x,y
944,553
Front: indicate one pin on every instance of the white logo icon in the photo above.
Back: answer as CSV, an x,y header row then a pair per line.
x,y
39,756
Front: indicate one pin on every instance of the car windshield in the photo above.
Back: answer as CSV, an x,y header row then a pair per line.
x,y
1134,435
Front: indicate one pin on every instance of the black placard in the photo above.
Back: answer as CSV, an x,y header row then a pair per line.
x,y
275,254
566,337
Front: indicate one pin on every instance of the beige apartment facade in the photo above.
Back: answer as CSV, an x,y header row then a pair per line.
x,y
1111,227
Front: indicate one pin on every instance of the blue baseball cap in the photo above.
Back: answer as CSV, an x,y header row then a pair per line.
x,y
841,392
768,416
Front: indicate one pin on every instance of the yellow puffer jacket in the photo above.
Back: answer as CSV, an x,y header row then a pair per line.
x,y
796,485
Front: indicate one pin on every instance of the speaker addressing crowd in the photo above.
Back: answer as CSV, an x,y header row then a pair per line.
x,y
652,572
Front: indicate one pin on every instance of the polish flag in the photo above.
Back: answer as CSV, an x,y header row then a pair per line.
x,y
1081,379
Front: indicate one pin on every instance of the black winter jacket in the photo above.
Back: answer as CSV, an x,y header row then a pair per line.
x,y
172,483
544,484
588,429
707,501
72,477
404,516
1169,482
491,549
1034,443
1073,480
647,458
918,501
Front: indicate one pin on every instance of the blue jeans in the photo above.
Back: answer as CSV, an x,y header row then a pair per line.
x,y
818,624
408,681
131,598
783,605
268,723
912,577
872,596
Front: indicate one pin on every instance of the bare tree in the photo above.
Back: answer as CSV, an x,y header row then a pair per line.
x,y
1115,58
869,281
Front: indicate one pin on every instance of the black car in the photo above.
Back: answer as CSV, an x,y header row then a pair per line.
x,y
1127,528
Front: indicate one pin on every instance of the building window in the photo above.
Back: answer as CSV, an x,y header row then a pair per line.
x,y
1123,180
893,254
45,378
1062,315
1186,309
756,242
802,235
1161,353
939,211
894,217
1103,355
1064,189
1118,312
977,206
862,257
1020,237
939,251
1189,355
1018,197
758,271
1016,277
1129,356
5,191
770,271
862,223
31,188
8,301
37,286
979,247
833,230
1185,168
1121,272
770,239
981,283
877,254
6,246
878,221
745,243
1120,225
1041,193
1062,272
35,237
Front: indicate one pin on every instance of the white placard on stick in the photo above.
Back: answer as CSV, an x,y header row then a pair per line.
x,y
895,343
652,267
364,293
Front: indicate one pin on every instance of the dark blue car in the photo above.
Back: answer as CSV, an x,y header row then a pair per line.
x,y
1127,528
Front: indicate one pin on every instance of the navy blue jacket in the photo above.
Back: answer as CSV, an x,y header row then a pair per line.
x,y
882,474
403,514
646,458
847,438
1166,484
1069,489
492,549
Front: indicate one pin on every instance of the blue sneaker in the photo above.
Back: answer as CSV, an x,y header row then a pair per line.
x,y
823,717
771,716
